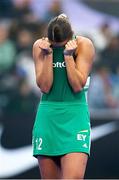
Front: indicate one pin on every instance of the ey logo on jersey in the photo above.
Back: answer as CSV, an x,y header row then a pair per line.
x,y
59,65
81,136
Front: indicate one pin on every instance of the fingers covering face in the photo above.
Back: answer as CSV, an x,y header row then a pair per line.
x,y
45,41
72,44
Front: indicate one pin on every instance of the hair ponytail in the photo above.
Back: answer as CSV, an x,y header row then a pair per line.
x,y
56,33
59,29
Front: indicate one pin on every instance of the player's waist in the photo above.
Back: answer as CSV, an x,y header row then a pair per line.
x,y
61,103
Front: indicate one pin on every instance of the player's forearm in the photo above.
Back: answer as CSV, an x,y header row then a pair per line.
x,y
45,78
75,78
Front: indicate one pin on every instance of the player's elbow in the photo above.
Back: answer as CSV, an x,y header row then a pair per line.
x,y
79,86
45,89
77,89
44,86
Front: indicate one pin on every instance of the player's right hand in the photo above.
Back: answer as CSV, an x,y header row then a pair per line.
x,y
45,46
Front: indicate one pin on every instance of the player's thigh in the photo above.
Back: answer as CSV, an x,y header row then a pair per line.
x,y
49,167
73,165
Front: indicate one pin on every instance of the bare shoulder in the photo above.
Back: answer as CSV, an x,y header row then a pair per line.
x,y
85,42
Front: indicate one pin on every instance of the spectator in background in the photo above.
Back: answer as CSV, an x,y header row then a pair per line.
x,y
22,10
54,10
25,65
101,36
6,9
24,60
100,92
7,50
40,8
24,40
110,55
45,10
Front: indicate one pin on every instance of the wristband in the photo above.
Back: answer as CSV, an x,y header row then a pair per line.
x,y
69,52
46,51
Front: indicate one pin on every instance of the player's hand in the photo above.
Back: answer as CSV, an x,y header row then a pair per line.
x,y
45,46
70,47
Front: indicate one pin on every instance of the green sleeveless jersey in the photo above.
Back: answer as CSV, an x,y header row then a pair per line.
x,y
62,122
61,90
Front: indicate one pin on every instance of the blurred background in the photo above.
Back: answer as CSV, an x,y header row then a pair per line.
x,y
21,23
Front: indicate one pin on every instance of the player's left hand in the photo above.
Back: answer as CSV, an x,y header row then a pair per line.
x,y
70,47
